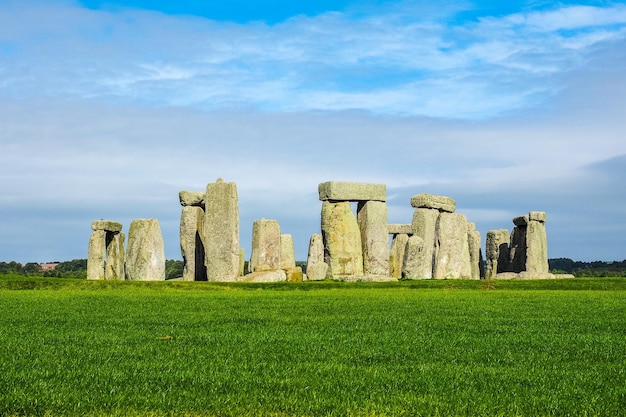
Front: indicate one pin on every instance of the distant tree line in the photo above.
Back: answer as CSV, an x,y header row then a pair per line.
x,y
588,269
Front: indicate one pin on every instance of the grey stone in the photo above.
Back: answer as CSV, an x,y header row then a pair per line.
x,y
221,231
287,253
274,275
107,225
397,229
145,254
372,219
114,268
452,258
242,261
474,245
192,243
352,191
424,225
517,249
95,254
265,245
437,202
497,251
342,240
191,198
317,271
417,261
536,248
396,254
538,216
316,249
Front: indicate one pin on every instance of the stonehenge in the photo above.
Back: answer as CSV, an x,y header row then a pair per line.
x,y
356,242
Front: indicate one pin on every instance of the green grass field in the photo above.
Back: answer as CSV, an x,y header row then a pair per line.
x,y
449,348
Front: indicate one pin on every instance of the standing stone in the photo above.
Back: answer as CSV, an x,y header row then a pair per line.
x,y
396,255
242,261
342,240
416,261
221,231
266,248
316,268
452,248
497,248
145,255
372,219
287,253
517,247
474,244
424,225
536,244
114,269
191,243
95,255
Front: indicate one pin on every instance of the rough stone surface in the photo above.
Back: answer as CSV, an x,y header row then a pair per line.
x,y
437,202
398,229
517,249
145,254
352,191
317,271
497,248
538,216
221,231
242,261
521,221
372,219
424,225
396,255
452,258
191,198
316,268
536,248
342,240
294,274
265,245
114,269
275,275
474,245
191,243
95,254
287,252
417,264
107,225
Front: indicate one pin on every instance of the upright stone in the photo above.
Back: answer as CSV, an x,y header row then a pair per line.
x,y
287,253
372,219
114,269
95,254
416,263
396,255
517,247
452,248
536,244
191,243
342,240
474,244
145,254
266,248
316,268
221,231
497,248
352,191
424,225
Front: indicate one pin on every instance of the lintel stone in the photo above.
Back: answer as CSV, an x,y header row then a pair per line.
x,y
521,220
430,201
538,216
400,229
352,191
106,225
191,198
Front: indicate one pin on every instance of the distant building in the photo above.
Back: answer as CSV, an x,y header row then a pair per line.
x,y
48,266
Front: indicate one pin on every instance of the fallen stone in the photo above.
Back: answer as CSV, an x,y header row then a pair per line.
x,y
352,191
276,275
145,254
437,202
342,240
191,198
107,225
372,219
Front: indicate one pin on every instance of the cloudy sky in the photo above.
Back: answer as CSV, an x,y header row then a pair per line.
x,y
109,108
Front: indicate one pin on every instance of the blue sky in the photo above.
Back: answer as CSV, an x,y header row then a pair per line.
x,y
109,108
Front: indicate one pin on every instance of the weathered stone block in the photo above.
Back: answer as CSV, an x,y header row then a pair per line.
x,y
95,254
424,225
452,258
265,245
497,248
417,262
316,271
316,249
287,252
372,219
397,229
520,221
437,202
294,274
114,269
536,248
517,249
145,254
221,231
352,191
191,198
396,254
342,240
538,216
275,275
107,225
192,243
474,247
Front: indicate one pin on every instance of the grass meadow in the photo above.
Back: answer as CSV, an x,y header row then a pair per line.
x,y
73,347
